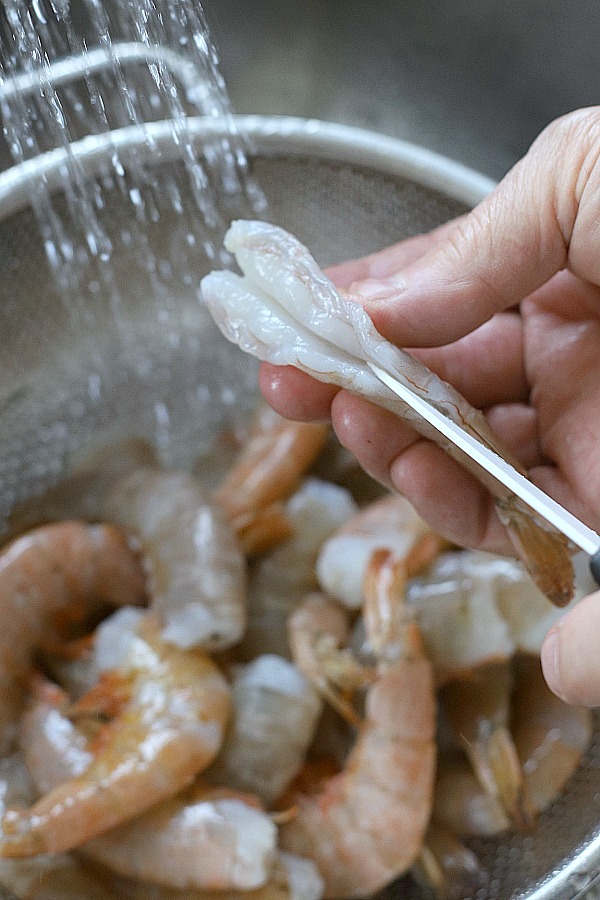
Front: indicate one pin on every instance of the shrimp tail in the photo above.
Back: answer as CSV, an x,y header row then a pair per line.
x,y
447,867
499,771
544,553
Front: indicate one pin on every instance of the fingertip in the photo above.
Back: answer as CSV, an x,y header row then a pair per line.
x,y
294,394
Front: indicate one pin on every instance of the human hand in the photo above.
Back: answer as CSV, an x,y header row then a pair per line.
x,y
451,298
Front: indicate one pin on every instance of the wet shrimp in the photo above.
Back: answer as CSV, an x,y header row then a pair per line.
x,y
291,878
285,310
366,826
279,579
274,717
167,709
57,876
196,568
53,574
477,708
475,608
204,837
271,465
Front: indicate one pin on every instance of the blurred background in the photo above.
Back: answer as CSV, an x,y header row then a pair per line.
x,y
475,80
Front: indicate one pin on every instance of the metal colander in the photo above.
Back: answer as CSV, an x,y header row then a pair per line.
x,y
154,365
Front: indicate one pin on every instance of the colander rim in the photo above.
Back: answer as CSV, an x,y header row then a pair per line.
x,y
263,135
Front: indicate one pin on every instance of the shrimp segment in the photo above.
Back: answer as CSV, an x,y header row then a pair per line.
x,y
286,311
51,573
366,826
170,708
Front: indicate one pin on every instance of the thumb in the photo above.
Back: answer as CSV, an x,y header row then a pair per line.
x,y
542,217
570,658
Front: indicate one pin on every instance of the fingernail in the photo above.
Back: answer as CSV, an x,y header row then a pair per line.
x,y
550,662
372,289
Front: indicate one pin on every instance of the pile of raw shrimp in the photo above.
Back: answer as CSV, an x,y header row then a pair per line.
x,y
262,678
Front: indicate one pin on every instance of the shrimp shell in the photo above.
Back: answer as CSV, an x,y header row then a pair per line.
x,y
54,572
171,709
287,311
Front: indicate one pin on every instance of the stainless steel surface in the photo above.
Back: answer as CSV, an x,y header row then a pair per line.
x,y
582,536
473,80
74,377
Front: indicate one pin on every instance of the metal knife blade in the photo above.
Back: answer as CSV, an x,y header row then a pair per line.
x,y
580,534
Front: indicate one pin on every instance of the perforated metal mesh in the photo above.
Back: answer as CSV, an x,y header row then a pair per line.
x,y
156,366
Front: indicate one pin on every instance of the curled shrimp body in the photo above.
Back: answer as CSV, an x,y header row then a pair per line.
x,y
274,717
269,470
366,826
285,310
196,568
476,608
54,573
168,708
550,738
202,838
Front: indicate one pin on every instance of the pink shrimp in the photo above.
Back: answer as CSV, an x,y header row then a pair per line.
x,y
169,709
51,573
366,826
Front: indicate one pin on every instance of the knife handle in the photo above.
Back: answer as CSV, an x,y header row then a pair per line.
x,y
595,567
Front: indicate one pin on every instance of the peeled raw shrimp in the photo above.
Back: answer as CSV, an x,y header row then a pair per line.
x,y
57,876
197,571
389,523
168,709
477,708
279,579
292,878
51,573
275,713
367,824
286,311
476,607
272,462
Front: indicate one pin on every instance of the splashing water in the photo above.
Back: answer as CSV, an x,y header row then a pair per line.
x,y
127,244
94,69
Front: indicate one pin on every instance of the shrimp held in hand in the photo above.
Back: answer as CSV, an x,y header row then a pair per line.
x,y
366,826
286,311
54,572
169,710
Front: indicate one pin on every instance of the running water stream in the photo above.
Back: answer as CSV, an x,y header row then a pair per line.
x,y
71,70
102,331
